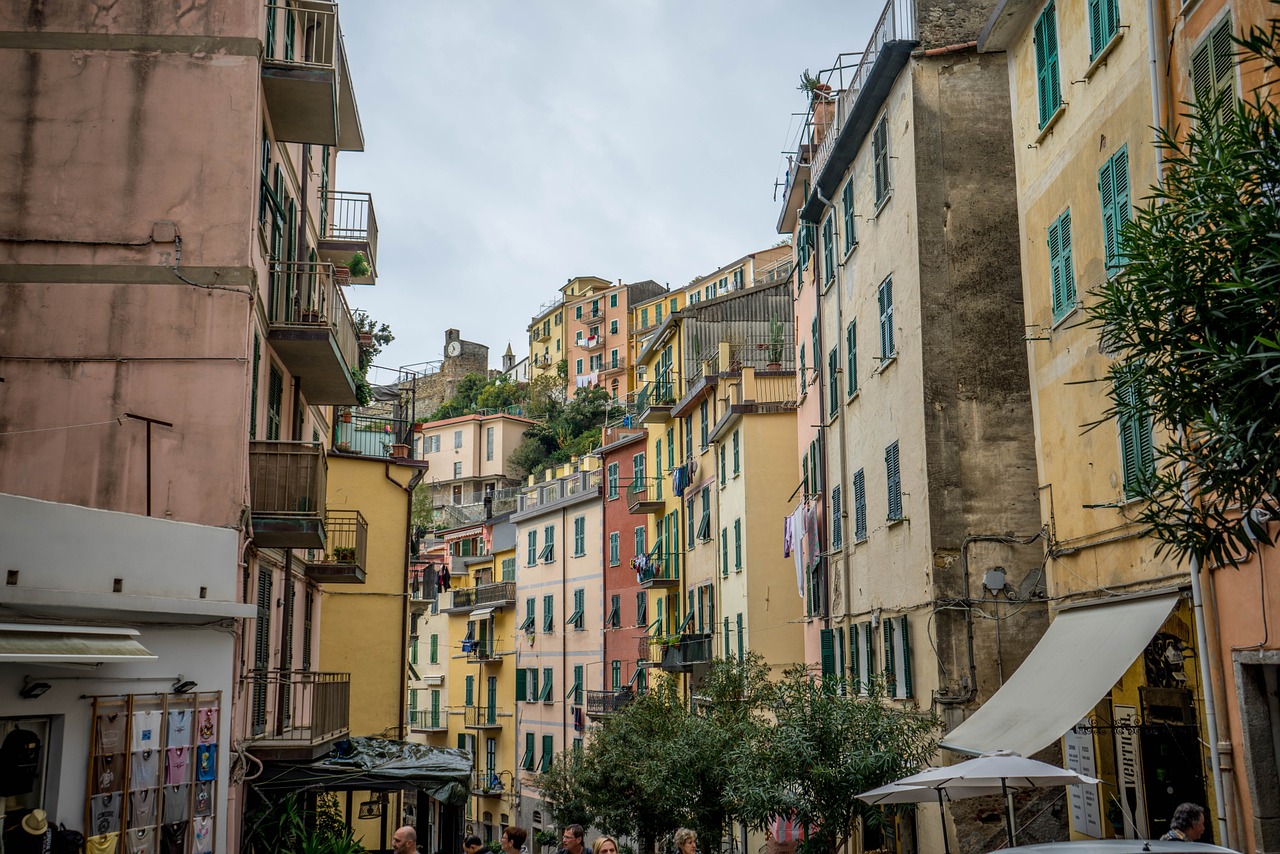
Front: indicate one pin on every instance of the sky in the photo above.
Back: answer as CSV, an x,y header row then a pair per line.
x,y
511,145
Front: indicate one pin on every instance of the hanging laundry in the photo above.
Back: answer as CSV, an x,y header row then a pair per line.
x,y
796,523
786,536
811,536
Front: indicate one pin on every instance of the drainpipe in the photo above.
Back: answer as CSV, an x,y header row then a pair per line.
x,y
1155,47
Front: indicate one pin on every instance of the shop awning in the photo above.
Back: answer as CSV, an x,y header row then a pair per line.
x,y
1080,658
38,643
481,613
378,764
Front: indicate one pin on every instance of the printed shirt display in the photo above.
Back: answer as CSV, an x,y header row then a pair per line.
x,y
103,843
144,770
173,838
146,730
177,765
142,807
175,804
206,762
104,812
204,798
203,828
140,841
207,725
111,732
179,728
108,773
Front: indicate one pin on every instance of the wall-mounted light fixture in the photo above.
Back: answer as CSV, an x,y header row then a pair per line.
x,y
30,689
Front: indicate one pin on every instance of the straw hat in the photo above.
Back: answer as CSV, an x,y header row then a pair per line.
x,y
35,822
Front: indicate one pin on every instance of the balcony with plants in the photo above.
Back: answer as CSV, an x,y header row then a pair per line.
x,y
287,494
311,329
344,556
349,236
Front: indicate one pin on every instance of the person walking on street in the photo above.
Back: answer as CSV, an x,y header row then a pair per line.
x,y
572,842
471,844
512,841
1187,824
605,845
405,841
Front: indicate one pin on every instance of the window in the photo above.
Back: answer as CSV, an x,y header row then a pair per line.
x,y
671,448
1062,278
577,312
837,519
827,638
737,457
817,353
577,366
737,545
724,554
688,438
861,657
614,549
613,300
526,761
1104,24
413,650
528,624
897,656
548,752
804,371
431,444
548,613
851,345
723,472
829,250
574,694
615,612
488,444
741,651
533,548
275,403
508,569
1113,188
549,547
644,317
615,674
657,313
704,521
637,472
253,393
642,608
846,203
880,153
548,681
893,479
613,356
578,618
457,438
470,691
435,649
579,536
885,297
859,506
531,683
833,380
435,708
703,423
457,470
673,305
1137,455
613,327
1213,69
1048,78
639,541
689,517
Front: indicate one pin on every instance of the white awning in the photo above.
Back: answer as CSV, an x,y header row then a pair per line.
x,y
1080,658
480,613
60,644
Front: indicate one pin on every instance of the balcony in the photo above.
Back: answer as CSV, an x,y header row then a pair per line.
x,y
297,714
482,717
591,342
348,227
305,77
373,436
643,497
681,653
311,330
657,569
343,561
287,494
542,333
425,720
601,703
501,594
655,400
484,650
487,784
422,589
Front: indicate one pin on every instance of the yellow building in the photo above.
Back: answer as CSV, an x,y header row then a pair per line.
x,y
547,339
364,575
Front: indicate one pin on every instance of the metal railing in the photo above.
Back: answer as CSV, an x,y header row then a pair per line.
x,y
287,478
773,272
306,294
300,706
346,538
498,593
608,702
658,567
423,585
482,716
897,23
485,783
660,391
679,652
350,218
642,490
372,436
302,36
484,649
555,490
591,342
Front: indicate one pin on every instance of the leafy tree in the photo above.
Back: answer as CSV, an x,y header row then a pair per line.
x,y
1193,323
570,429
380,336
822,752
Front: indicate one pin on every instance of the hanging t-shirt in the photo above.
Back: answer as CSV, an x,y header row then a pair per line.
x,y
111,732
146,730
177,765
141,840
207,725
202,829
180,721
175,804
143,807
144,770
103,843
204,798
173,838
206,761
108,773
104,813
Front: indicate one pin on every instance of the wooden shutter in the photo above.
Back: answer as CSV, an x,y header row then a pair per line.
x,y
1097,40
1048,76
890,672
522,683
846,198
855,663
548,748
724,552
851,345
905,641
833,366
837,520
470,691
859,506
893,478
827,638
869,641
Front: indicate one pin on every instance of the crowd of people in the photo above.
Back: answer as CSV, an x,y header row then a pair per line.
x,y
573,841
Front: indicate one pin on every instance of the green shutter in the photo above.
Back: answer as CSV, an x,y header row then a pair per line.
x,y
435,649
851,344
471,689
737,456
527,762
726,637
833,378
548,684
1113,190
548,748
548,613
741,654
855,666
1062,276
850,233
253,394
1048,77
869,641
737,544
522,683
890,671
827,637
724,552
906,657
435,709
1213,70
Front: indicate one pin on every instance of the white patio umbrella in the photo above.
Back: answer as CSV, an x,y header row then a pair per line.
x,y
896,793
1002,769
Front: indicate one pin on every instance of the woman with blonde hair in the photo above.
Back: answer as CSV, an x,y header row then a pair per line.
x,y
605,845
686,841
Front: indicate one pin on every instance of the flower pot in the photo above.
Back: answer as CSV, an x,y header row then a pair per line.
x,y
774,366
342,274
346,418
419,426
399,451
365,339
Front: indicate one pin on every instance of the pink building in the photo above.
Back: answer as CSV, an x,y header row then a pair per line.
x,y
598,318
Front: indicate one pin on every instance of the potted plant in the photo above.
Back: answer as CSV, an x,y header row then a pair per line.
x,y
342,274
344,554
822,102
776,344
359,266
343,447
346,416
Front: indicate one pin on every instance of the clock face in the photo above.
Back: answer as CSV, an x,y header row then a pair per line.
x,y
454,348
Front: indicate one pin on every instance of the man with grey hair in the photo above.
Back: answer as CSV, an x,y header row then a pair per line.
x,y
1187,824
405,841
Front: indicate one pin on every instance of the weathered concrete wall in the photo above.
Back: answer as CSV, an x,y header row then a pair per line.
x,y
947,22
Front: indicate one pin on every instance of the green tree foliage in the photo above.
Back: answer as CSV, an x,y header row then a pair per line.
x,y
475,392
1193,323
824,750
569,429
380,336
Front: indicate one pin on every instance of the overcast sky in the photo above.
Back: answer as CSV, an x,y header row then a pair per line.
x,y
513,144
